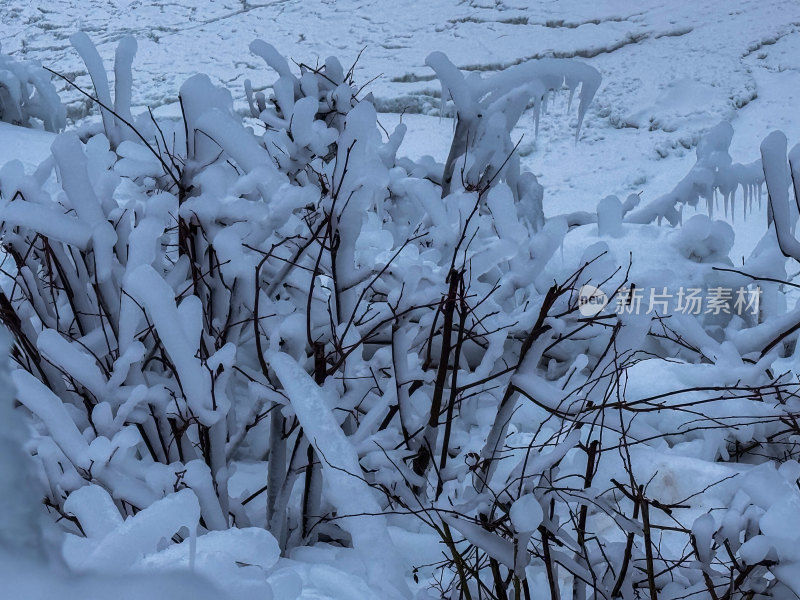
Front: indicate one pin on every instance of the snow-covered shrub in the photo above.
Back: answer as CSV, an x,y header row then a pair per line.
x,y
236,340
116,114
779,178
26,93
713,173
486,111
166,284
31,565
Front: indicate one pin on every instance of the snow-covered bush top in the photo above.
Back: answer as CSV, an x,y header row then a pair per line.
x,y
487,110
714,172
26,93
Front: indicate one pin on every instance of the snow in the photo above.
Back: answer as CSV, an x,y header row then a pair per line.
x,y
505,135
29,569
23,579
352,497
37,145
498,548
114,549
609,216
526,514
46,405
27,96
747,62
73,167
180,334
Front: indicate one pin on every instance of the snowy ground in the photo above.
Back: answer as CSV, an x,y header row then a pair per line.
x,y
670,70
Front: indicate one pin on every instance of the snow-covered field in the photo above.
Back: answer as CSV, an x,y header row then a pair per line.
x,y
670,70
671,73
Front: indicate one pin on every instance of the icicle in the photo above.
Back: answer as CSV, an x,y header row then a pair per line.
x,y
744,201
731,197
